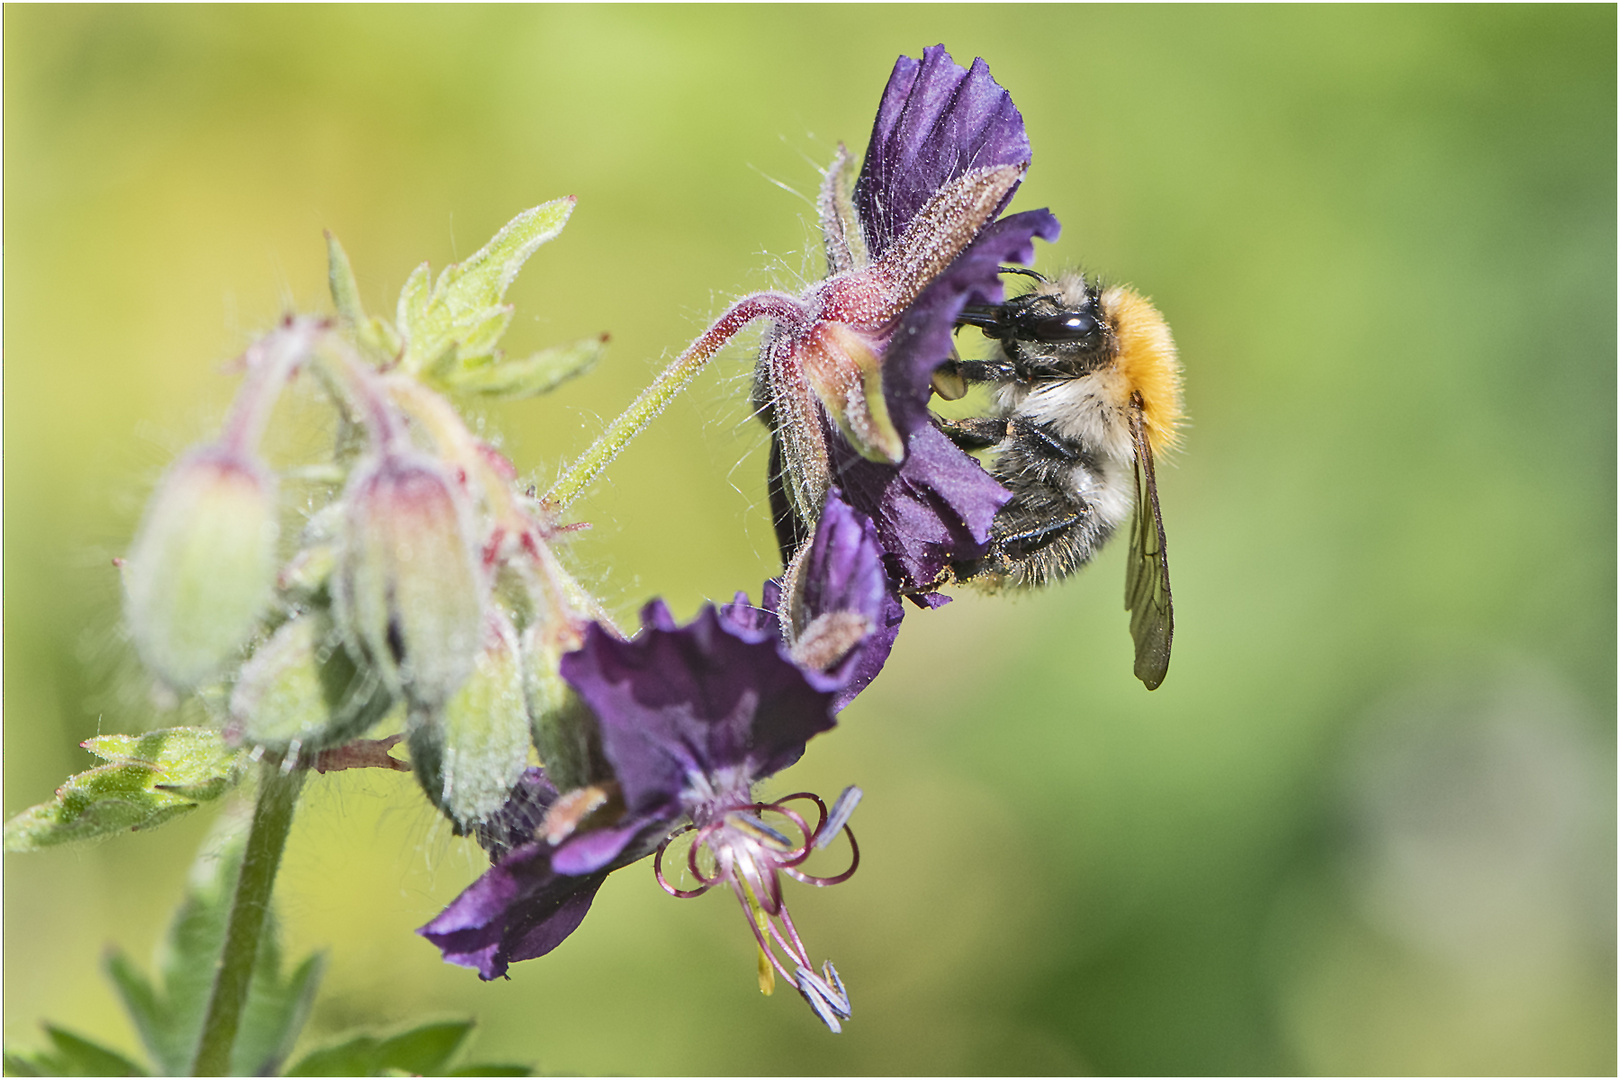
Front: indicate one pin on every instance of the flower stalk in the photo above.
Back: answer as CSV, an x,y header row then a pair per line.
x,y
653,400
272,819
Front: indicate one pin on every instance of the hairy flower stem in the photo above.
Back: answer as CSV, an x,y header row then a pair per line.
x,y
361,391
272,817
653,400
270,362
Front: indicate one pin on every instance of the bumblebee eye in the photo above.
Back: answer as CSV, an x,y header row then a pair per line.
x,y
1064,328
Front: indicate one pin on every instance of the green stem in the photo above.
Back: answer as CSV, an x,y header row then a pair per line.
x,y
272,817
652,401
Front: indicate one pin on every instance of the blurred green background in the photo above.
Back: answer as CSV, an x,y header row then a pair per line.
x,y
1367,825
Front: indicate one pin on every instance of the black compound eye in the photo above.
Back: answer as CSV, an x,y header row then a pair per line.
x,y
1064,328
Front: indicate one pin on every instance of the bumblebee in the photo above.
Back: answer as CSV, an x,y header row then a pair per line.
x,y
1088,389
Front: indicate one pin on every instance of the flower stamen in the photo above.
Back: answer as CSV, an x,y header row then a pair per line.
x,y
750,853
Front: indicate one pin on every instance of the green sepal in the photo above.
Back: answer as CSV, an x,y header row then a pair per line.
x,y
375,336
562,726
303,688
421,1051
340,278
846,373
468,755
149,780
458,322
533,375
201,570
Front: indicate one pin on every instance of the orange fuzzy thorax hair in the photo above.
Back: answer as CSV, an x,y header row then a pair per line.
x,y
1146,359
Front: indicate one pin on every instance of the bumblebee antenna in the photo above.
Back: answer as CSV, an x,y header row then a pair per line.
x,y
1024,270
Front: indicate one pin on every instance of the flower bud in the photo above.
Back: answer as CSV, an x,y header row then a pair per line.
x,y
200,572
303,691
565,731
408,590
469,754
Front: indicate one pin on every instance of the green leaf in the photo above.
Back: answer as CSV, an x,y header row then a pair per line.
x,y
488,327
483,277
421,1051
413,301
424,1050
276,1011
356,1057
492,1069
86,1058
147,1011
18,1065
460,320
71,1055
149,780
532,375
169,1016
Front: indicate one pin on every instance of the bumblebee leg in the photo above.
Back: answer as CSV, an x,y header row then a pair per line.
x,y
975,432
1040,446
1020,542
1051,527
984,370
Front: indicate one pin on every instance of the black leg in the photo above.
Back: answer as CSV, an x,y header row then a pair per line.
x,y
975,432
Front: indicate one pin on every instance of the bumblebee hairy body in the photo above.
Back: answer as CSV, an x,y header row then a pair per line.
x,y
1088,389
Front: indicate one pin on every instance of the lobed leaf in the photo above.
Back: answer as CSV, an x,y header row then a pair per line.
x,y
168,1014
148,780
533,375
421,1051
71,1055
459,321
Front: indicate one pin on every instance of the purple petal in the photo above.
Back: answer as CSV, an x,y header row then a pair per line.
x,y
844,572
742,613
935,507
593,850
538,934
936,121
519,909
675,702
923,340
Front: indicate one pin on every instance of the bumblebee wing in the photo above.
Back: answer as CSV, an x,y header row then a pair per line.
x,y
1147,571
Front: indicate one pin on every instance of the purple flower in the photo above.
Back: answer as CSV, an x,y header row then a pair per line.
x,y
691,717
839,609
844,382
939,502
521,907
843,374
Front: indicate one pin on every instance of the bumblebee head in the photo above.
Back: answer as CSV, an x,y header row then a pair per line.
x,y
1074,328
1055,331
